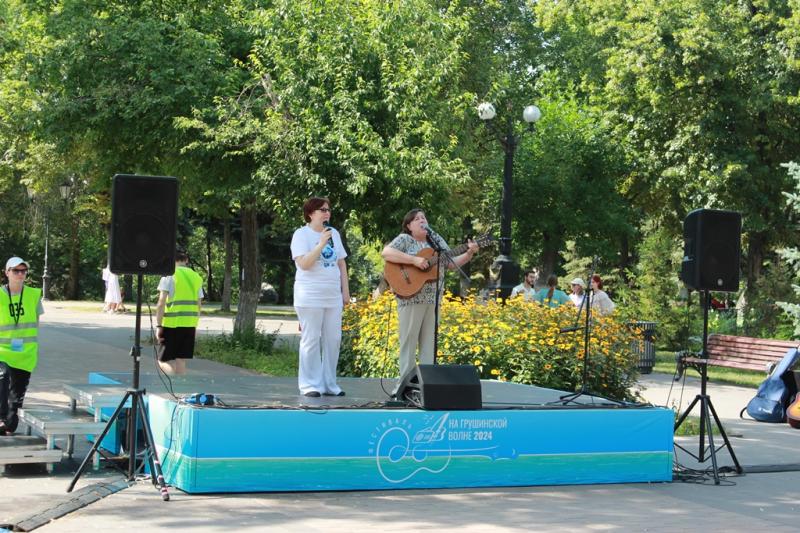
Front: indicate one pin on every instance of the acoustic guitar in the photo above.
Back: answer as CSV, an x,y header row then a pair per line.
x,y
793,412
407,280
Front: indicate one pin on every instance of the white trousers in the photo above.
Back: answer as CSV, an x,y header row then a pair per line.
x,y
416,324
320,338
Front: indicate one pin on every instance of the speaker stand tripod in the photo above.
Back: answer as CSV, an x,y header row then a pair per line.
x,y
137,412
707,409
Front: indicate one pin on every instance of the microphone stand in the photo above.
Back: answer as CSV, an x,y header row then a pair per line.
x,y
584,390
439,249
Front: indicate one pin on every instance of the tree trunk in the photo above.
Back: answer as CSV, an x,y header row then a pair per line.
x,y
226,279
549,258
212,295
755,258
465,284
127,289
250,287
625,259
74,261
284,273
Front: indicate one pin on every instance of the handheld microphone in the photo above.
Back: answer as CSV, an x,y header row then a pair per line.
x,y
327,225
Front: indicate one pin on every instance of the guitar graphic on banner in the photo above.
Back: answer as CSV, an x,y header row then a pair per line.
x,y
402,453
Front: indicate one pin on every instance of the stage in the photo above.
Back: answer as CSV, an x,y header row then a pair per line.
x,y
261,435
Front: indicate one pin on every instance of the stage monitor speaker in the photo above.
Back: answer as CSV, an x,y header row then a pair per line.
x,y
712,249
144,211
442,387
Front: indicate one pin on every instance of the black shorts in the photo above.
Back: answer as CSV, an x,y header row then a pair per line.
x,y
178,344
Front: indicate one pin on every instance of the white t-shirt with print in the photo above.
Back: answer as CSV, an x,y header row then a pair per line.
x,y
321,285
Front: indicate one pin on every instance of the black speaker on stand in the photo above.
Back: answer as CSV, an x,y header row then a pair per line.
x,y
144,219
712,248
143,227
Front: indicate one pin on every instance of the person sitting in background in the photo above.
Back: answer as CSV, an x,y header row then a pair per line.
x,y
577,295
525,289
601,303
551,296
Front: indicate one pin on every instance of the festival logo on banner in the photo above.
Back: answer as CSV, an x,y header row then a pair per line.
x,y
402,452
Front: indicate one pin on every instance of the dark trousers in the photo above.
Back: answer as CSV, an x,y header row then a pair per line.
x,y
13,385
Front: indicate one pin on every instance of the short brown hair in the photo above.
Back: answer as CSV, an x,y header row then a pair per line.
x,y
408,218
312,204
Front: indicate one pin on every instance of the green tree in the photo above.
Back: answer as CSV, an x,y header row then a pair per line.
x,y
657,289
703,93
791,255
106,81
352,100
567,187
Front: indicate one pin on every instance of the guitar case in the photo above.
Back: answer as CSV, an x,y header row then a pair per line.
x,y
773,395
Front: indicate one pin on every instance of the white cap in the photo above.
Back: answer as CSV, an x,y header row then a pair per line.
x,y
15,262
578,281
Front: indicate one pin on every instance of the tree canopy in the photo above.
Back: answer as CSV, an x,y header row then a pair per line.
x,y
650,109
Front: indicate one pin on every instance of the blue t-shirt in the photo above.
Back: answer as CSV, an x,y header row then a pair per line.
x,y
559,297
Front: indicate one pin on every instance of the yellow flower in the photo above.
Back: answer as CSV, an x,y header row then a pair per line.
x,y
477,362
495,372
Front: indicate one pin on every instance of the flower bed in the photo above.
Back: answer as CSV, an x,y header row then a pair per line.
x,y
518,342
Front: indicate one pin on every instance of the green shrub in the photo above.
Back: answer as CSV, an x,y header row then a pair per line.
x,y
657,290
254,350
518,342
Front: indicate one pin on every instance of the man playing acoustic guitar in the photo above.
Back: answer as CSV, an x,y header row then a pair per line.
x,y
415,312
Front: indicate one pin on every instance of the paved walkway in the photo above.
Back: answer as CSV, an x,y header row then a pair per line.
x,y
76,341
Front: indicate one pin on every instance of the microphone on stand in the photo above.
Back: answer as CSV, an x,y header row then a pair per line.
x,y
328,225
429,231
433,238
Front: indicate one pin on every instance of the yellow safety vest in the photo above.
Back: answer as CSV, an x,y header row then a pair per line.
x,y
182,309
26,331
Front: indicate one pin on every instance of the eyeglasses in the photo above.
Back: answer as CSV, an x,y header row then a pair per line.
x,y
19,270
324,209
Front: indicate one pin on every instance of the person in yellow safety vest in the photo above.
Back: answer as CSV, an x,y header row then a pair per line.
x,y
20,308
177,315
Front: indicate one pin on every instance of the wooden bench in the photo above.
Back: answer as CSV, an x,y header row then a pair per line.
x,y
744,353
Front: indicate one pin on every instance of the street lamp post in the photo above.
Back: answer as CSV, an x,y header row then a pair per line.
x,y
504,271
46,271
64,190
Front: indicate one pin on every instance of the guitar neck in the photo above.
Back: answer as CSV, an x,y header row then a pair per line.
x,y
458,250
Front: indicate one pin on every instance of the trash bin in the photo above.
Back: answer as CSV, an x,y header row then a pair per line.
x,y
645,348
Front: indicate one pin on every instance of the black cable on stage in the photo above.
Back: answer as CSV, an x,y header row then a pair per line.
x,y
162,375
166,380
388,322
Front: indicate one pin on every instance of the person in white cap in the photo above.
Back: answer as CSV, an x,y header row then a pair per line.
x,y
20,308
577,294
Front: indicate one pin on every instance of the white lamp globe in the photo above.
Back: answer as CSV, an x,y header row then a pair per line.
x,y
531,114
486,111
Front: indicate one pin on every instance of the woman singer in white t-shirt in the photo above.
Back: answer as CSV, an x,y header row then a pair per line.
x,y
320,292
